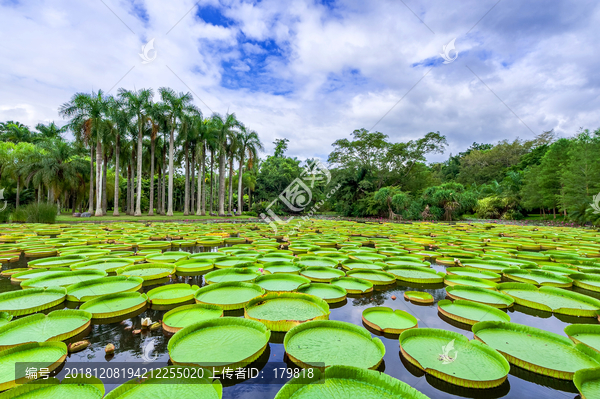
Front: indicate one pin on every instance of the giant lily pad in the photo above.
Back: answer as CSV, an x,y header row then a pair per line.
x,y
63,279
148,271
171,294
387,320
328,292
587,334
347,382
588,281
229,295
31,273
183,316
472,272
536,350
353,264
181,382
376,277
56,326
167,257
480,295
231,274
308,261
226,342
280,311
48,355
230,261
537,277
418,297
5,318
551,299
74,387
451,357
281,282
329,342
87,290
353,285
587,382
194,266
454,280
470,312
109,265
416,274
19,303
281,267
56,261
321,274
114,305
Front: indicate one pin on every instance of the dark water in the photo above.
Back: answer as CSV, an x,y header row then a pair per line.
x,y
520,383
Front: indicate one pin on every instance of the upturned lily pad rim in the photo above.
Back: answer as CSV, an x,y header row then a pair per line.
x,y
60,293
186,308
221,321
574,329
286,324
259,291
451,335
141,301
148,381
445,303
586,375
532,332
392,313
329,324
579,280
364,376
24,321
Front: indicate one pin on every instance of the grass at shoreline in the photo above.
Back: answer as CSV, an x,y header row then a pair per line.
x,y
177,217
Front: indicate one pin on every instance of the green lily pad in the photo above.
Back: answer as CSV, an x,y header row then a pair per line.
x,y
281,267
48,355
454,280
183,316
167,257
226,342
230,261
192,267
329,342
181,382
171,294
109,265
231,274
387,320
5,318
419,297
280,311
353,264
588,281
114,305
281,282
56,326
75,387
587,382
353,285
451,357
31,273
587,334
536,350
87,290
376,277
322,261
537,277
328,292
480,295
148,271
229,295
472,272
347,382
63,279
19,303
55,261
321,274
470,312
551,299
416,274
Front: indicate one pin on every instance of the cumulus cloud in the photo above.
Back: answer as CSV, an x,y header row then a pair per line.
x,y
313,72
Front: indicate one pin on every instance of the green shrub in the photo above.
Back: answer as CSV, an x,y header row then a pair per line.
x,y
5,214
43,212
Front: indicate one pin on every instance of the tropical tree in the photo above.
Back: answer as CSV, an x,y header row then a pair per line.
x,y
225,130
250,145
158,121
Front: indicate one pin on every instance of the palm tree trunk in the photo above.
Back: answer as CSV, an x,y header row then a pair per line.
x,y
192,179
18,192
201,185
222,182
128,199
186,189
40,193
230,197
151,211
116,200
91,204
240,187
171,149
104,189
138,202
163,192
99,178
212,161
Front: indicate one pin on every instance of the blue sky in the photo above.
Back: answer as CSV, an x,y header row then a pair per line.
x,y
313,71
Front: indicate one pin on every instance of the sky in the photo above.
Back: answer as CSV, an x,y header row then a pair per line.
x,y
314,71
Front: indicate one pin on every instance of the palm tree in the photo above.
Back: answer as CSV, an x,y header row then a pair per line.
x,y
86,113
177,105
156,112
186,138
119,114
49,131
249,144
224,127
138,103
204,134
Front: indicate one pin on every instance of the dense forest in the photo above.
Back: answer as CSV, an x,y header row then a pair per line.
x,y
147,157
